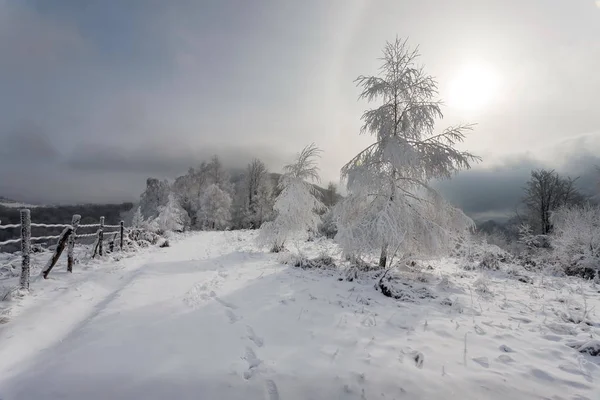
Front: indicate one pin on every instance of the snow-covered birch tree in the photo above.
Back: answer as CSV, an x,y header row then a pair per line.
x,y
172,217
390,208
297,205
215,210
259,194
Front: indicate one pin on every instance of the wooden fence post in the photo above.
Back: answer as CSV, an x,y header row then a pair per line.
x,y
101,237
60,246
74,223
122,232
25,248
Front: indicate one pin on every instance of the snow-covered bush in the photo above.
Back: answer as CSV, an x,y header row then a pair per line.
x,y
586,346
394,285
476,253
323,261
297,204
136,238
391,208
214,213
576,239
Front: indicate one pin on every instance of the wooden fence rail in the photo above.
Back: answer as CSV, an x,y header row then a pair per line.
x,y
66,239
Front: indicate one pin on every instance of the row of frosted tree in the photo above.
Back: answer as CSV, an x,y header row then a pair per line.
x,y
390,209
212,197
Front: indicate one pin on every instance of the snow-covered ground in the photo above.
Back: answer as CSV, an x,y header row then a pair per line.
x,y
212,317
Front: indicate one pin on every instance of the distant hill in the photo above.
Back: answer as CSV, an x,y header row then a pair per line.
x,y
10,203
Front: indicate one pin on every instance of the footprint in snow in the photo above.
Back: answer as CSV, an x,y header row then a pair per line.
x,y
253,362
232,317
223,302
419,358
479,330
506,349
483,361
252,336
552,338
504,358
271,389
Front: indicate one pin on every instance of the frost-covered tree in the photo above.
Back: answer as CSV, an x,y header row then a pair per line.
x,y
391,208
258,188
330,195
545,192
215,208
155,195
189,188
138,221
172,217
576,238
218,175
297,205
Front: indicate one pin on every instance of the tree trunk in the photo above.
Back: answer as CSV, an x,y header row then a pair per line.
x,y
383,256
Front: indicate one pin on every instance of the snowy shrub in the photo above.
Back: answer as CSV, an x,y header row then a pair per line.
x,y
532,241
482,287
475,253
518,275
490,261
576,240
396,287
322,261
591,347
136,237
391,208
297,205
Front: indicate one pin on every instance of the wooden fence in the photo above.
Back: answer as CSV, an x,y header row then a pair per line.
x,y
66,239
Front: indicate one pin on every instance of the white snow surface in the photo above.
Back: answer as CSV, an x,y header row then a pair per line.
x,y
213,317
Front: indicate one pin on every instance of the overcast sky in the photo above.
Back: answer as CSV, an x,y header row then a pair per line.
x,y
95,96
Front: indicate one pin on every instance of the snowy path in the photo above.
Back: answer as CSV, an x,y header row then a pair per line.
x,y
210,318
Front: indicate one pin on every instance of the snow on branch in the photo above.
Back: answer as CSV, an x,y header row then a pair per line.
x,y
390,202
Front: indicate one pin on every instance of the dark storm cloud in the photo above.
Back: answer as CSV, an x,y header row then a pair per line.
x,y
496,193
165,160
28,144
489,192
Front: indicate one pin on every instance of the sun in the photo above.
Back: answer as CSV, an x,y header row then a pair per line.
x,y
474,87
